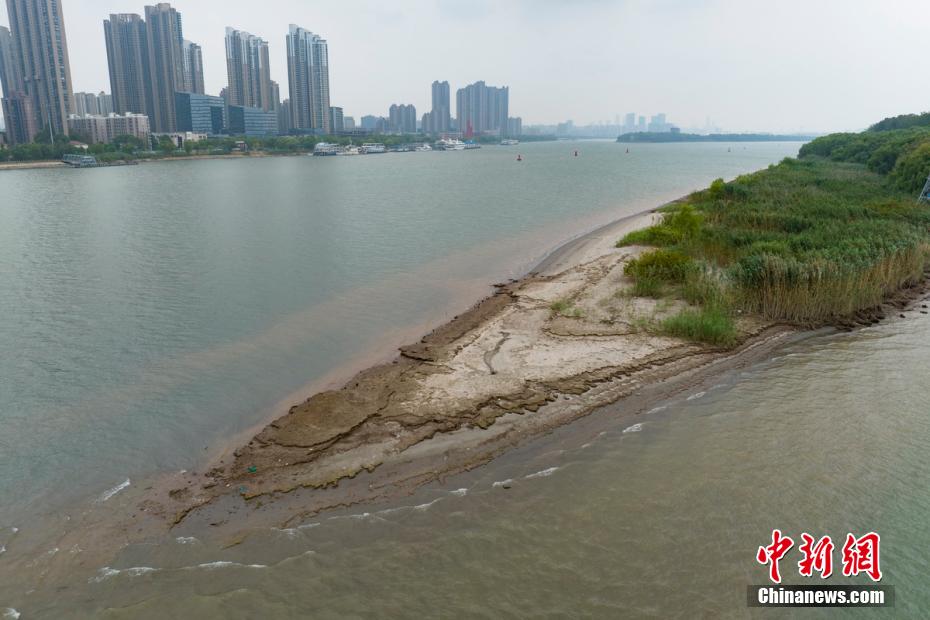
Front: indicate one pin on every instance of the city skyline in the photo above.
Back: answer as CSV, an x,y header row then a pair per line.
x,y
618,56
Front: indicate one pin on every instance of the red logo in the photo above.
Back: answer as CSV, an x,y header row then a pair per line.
x,y
860,555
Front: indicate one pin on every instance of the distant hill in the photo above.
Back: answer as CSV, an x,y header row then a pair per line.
x,y
903,121
714,137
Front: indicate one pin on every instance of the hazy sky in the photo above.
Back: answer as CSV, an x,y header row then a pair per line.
x,y
786,65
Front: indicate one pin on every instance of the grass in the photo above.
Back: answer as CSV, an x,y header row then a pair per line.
x,y
709,324
808,240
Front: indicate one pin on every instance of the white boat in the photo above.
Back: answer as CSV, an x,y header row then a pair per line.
x,y
472,145
370,148
350,150
325,149
509,142
422,148
448,144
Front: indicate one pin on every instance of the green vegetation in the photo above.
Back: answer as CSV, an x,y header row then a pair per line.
x,y
709,324
810,240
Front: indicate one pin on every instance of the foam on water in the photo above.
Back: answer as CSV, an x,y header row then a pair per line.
x,y
459,492
186,540
696,396
542,474
223,564
633,429
657,409
109,493
425,506
106,572
10,613
501,483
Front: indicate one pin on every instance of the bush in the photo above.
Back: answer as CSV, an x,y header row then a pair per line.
x,y
662,264
647,287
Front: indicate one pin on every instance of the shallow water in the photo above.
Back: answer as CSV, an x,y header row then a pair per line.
x,y
155,311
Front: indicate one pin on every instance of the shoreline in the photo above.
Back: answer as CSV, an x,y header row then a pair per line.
x,y
296,455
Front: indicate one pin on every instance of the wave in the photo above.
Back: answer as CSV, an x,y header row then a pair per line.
x,y
542,474
10,613
186,540
459,492
633,429
223,564
501,483
657,409
696,396
106,572
106,495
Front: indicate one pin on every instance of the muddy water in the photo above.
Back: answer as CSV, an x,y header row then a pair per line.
x,y
158,310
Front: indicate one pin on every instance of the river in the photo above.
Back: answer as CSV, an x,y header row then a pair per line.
x,y
150,313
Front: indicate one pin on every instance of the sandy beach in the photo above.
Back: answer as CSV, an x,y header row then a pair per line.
x,y
538,353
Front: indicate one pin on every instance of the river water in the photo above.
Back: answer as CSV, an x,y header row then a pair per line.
x,y
150,313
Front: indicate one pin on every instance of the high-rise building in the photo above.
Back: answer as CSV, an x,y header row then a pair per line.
x,y
402,118
284,117
127,57
104,128
193,67
482,109
308,80
150,61
11,80
86,103
40,61
348,123
440,118
165,39
20,117
249,71
336,120
104,103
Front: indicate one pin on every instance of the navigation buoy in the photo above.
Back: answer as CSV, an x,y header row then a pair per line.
x,y
576,153
519,157
628,151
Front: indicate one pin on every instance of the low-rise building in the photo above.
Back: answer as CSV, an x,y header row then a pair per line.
x,y
103,129
252,122
201,113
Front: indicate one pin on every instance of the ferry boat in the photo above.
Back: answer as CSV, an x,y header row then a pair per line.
x,y
422,148
509,142
371,148
350,150
448,144
325,149
470,144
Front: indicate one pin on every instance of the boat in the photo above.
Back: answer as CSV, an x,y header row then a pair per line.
x,y
449,144
472,145
509,142
350,150
422,148
325,149
372,148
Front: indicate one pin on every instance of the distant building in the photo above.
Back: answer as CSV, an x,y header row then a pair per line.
x,y
641,124
89,103
127,58
248,67
440,116
104,103
102,129
284,117
336,120
402,118
658,124
193,67
252,122
374,124
200,113
165,44
308,80
38,50
22,125
514,127
482,109
348,123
